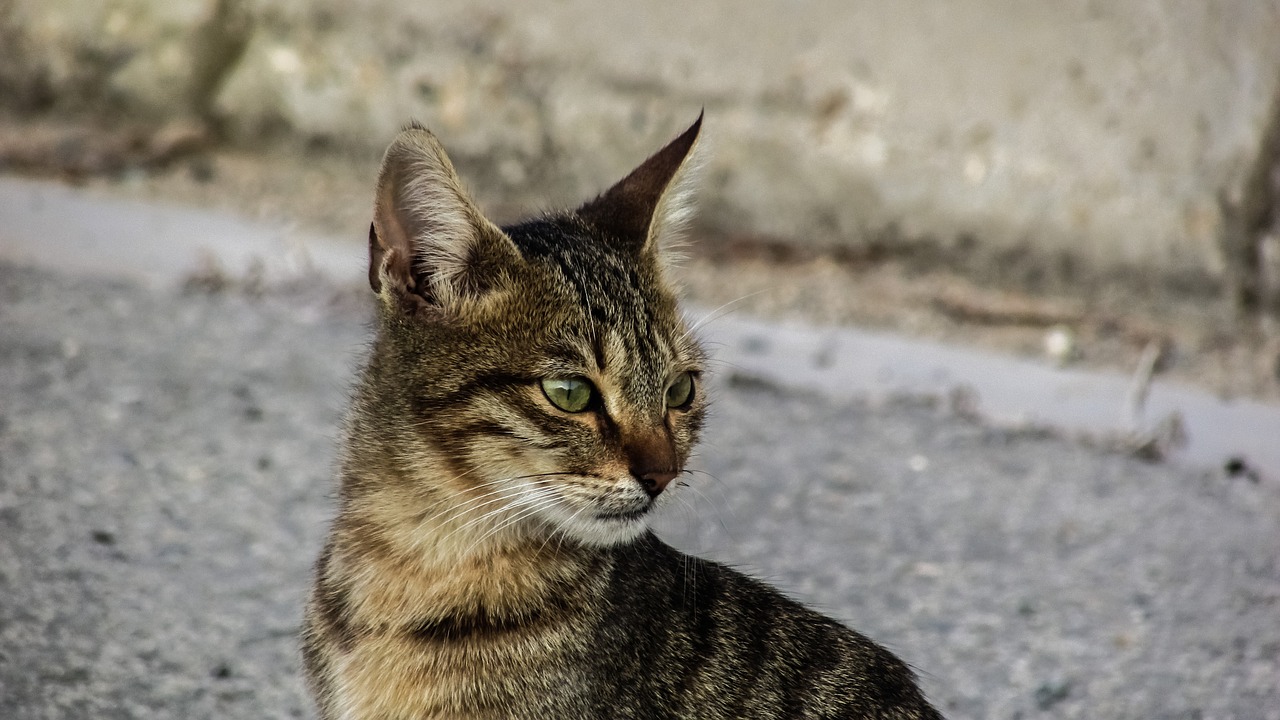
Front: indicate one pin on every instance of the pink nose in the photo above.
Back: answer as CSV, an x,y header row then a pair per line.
x,y
655,481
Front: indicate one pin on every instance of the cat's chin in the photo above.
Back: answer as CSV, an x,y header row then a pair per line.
x,y
604,530
609,531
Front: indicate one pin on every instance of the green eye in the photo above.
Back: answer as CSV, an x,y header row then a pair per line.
x,y
569,394
681,391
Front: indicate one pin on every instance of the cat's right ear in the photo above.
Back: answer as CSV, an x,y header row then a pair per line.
x,y
429,244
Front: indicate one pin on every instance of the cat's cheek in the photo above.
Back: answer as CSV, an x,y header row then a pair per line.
x,y
687,427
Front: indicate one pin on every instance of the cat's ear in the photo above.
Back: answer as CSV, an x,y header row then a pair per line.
x,y
650,206
429,245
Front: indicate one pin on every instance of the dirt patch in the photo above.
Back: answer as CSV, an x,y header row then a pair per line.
x,y
1106,323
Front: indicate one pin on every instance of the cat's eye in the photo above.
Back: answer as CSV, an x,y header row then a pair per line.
x,y
680,392
573,394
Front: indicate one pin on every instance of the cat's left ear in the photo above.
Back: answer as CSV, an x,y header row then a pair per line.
x,y
650,206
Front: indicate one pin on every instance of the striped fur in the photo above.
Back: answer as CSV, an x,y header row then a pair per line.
x,y
490,557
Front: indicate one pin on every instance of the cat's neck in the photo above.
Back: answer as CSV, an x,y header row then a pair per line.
x,y
439,559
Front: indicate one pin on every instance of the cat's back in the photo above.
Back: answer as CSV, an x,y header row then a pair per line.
x,y
732,643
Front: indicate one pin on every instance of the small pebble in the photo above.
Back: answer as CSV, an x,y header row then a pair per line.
x,y
1051,693
1238,467
1060,344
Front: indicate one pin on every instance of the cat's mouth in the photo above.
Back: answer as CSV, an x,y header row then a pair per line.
x,y
602,521
624,515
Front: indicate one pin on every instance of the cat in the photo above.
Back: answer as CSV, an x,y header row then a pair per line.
x,y
531,395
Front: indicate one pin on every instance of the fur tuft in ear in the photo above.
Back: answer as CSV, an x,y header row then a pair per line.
x,y
429,245
649,207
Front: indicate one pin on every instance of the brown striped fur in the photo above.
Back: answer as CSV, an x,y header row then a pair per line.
x,y
490,557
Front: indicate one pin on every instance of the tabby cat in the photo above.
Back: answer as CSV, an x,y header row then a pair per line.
x,y
531,394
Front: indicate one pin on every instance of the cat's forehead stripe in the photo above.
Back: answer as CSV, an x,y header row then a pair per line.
x,y
623,320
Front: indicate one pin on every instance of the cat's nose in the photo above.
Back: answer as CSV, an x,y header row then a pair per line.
x,y
654,481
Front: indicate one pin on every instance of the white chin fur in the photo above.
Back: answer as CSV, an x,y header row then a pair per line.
x,y
592,530
605,533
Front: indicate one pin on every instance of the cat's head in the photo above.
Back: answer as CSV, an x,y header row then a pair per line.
x,y
541,375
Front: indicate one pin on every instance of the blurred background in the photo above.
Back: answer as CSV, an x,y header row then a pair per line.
x,y
1019,193
1081,179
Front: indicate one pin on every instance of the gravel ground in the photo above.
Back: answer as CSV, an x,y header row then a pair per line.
x,y
164,485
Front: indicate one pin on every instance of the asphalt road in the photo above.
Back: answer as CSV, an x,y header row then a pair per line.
x,y
165,481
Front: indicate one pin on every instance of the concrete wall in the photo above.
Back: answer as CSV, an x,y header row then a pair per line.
x,y
1099,131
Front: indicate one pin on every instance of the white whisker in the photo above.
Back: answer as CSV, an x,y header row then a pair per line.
x,y
722,310
458,510
561,530
532,507
498,489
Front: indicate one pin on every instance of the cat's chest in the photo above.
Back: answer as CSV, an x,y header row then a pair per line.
x,y
465,665
452,644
